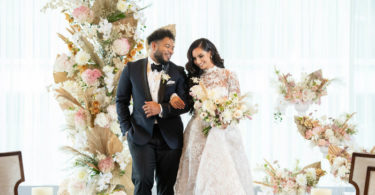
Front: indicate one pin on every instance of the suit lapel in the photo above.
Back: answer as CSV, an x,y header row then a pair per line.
x,y
145,81
163,85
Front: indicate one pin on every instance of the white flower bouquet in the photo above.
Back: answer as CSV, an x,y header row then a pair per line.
x,y
219,110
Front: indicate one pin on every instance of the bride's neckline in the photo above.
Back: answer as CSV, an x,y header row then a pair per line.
x,y
209,70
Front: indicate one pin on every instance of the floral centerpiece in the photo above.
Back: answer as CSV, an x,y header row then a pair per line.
x,y
297,181
325,132
218,110
303,93
103,36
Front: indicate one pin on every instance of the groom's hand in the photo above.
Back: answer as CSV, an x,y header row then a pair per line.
x,y
151,109
176,102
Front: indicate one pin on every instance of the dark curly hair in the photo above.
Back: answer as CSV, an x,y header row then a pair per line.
x,y
192,69
159,35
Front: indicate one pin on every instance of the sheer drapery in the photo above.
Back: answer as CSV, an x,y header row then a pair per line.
x,y
253,36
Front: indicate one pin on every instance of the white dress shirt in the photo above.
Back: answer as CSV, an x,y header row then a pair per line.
x,y
153,78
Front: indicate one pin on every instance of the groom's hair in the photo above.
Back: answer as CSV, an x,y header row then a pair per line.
x,y
158,35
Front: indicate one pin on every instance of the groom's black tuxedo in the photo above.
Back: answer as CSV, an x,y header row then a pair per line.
x,y
133,83
154,147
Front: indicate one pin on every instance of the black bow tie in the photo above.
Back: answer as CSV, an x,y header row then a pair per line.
x,y
156,67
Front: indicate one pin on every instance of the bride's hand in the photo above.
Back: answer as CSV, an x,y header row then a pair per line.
x,y
177,102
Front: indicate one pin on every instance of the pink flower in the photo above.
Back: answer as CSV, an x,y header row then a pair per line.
x,y
106,165
308,134
83,14
318,130
80,119
64,63
90,76
121,46
323,142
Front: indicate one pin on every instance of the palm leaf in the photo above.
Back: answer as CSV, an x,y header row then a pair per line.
x,y
88,47
65,94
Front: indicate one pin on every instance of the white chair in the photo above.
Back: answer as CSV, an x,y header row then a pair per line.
x,y
370,181
358,170
11,172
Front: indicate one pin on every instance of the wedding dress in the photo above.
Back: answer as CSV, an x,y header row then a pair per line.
x,y
216,164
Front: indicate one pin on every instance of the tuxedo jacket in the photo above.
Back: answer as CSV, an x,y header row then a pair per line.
x,y
133,85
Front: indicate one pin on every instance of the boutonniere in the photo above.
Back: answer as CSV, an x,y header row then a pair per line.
x,y
195,80
164,77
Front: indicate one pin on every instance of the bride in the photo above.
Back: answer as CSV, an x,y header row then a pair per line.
x,y
213,164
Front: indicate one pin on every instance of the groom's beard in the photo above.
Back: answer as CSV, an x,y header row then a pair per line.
x,y
159,57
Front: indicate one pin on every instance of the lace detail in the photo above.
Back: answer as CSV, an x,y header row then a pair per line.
x,y
215,164
221,78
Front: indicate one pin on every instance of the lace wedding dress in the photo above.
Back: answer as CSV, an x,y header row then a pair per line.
x,y
215,164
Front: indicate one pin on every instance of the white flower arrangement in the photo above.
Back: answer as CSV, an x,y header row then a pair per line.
x,y
218,110
103,40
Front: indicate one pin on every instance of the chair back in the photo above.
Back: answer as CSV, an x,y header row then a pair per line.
x,y
358,170
11,172
370,181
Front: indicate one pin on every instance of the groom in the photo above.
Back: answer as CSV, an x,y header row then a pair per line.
x,y
154,129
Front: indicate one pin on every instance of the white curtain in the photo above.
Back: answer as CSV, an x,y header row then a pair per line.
x,y
253,36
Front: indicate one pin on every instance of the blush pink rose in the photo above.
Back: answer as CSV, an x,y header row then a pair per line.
x,y
308,134
83,14
90,76
323,142
106,165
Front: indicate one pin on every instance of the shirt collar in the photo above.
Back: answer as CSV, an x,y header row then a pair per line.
x,y
152,61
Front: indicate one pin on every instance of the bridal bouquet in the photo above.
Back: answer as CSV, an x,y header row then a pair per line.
x,y
323,133
103,35
100,167
218,110
297,181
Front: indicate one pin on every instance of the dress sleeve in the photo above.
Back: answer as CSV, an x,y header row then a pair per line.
x,y
233,84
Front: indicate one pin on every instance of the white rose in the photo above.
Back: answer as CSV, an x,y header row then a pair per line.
x,y
209,106
329,133
122,6
108,69
311,173
301,180
227,115
102,120
339,161
82,58
238,114
342,171
82,174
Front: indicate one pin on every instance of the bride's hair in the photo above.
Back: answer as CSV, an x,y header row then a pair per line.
x,y
192,69
206,45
